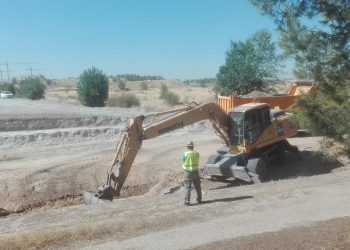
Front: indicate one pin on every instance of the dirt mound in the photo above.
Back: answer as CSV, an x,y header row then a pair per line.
x,y
51,123
64,201
256,93
54,136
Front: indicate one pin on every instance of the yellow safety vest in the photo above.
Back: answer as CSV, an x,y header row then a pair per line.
x,y
190,161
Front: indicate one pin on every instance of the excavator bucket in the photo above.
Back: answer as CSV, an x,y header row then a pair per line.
x,y
91,199
104,195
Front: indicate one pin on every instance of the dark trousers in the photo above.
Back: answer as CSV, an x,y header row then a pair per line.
x,y
189,178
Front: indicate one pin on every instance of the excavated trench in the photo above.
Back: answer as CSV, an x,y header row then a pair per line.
x,y
49,187
40,156
19,194
73,200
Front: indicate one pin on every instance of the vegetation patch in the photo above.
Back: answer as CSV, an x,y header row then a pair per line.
x,y
125,100
135,77
31,88
168,96
8,87
144,86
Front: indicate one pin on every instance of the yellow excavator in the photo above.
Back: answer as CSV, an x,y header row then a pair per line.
x,y
253,133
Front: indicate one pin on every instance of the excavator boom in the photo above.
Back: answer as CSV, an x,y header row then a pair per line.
x,y
253,133
136,132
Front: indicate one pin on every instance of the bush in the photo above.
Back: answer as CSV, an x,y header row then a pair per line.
x,y
121,85
163,91
171,98
92,88
32,88
168,96
134,77
124,101
8,87
144,85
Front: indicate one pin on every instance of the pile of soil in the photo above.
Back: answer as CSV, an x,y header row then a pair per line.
x,y
256,93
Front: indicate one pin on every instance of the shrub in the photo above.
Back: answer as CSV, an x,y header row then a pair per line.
x,y
14,81
121,85
172,98
8,87
168,96
144,85
134,77
32,88
163,91
124,101
92,87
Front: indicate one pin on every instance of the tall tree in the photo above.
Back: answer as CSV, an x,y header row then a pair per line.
x,y
316,33
249,64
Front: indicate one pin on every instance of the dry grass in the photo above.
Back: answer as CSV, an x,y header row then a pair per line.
x,y
92,230
64,91
53,237
331,234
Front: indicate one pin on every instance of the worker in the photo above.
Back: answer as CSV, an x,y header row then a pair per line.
x,y
190,160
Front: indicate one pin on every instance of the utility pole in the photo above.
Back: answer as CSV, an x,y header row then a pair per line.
x,y
31,70
8,74
7,68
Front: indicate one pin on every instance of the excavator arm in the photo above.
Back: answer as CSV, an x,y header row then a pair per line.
x,y
136,132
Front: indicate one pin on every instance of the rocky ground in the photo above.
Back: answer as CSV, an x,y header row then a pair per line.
x,y
50,153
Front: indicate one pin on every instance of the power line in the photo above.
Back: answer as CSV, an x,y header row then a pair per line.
x,y
31,70
15,63
1,76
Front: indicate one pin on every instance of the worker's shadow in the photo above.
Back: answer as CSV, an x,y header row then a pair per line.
x,y
230,199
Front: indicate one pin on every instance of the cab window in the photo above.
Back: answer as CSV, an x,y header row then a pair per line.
x,y
255,122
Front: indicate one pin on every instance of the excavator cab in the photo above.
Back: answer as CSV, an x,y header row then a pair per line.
x,y
246,124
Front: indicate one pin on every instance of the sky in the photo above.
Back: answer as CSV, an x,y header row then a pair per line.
x,y
177,39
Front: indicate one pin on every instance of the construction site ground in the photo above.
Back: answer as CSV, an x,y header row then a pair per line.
x,y
50,153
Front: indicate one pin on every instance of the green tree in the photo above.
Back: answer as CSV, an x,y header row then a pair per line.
x,y
8,87
14,81
32,88
249,65
92,87
321,51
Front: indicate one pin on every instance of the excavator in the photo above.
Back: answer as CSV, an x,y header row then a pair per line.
x,y
253,134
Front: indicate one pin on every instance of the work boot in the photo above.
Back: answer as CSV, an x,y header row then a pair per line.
x,y
199,201
187,203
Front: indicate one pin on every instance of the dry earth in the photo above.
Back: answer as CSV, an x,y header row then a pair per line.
x,y
65,91
51,152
